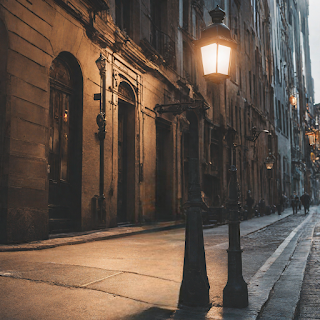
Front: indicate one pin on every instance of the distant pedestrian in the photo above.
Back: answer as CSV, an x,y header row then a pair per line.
x,y
293,204
279,209
305,199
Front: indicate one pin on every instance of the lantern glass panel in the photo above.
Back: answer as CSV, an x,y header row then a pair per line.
x,y
311,139
269,165
223,59
209,58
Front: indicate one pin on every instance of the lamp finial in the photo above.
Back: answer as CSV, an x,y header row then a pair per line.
x,y
217,15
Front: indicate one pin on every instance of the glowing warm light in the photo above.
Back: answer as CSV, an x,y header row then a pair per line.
x,y
312,139
223,59
293,100
215,59
269,165
65,116
209,58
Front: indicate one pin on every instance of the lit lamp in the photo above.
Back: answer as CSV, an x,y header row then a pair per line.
x,y
215,46
312,137
101,63
293,100
269,162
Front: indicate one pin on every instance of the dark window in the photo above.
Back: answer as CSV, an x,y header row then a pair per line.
x,y
123,15
185,14
231,114
254,86
280,115
236,119
188,64
250,84
290,17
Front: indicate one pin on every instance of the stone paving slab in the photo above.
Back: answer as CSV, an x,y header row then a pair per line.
x,y
309,304
41,300
285,295
160,292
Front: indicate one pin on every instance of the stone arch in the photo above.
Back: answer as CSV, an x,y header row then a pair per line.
x,y
126,190
65,143
3,130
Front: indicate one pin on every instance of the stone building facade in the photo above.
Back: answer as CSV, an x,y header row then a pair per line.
x,y
49,147
294,96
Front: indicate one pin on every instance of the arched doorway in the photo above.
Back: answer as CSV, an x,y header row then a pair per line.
x,y
65,144
126,154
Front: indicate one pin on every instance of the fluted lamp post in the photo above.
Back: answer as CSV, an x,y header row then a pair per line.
x,y
215,49
216,46
101,64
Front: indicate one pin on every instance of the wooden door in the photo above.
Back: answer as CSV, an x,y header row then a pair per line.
x,y
60,189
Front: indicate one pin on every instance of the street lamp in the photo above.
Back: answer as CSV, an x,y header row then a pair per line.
x,y
293,100
269,163
101,64
216,45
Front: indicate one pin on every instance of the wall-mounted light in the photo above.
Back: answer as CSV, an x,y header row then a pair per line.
x,y
293,100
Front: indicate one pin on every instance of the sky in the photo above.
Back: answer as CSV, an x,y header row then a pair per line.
x,y
314,40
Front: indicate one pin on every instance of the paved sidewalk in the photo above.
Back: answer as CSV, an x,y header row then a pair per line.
x,y
111,280
309,305
284,297
112,233
63,239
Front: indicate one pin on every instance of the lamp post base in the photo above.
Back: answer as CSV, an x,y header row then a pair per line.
x,y
194,290
235,293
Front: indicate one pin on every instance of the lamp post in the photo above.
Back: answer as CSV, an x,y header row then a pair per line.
x,y
194,290
101,64
216,47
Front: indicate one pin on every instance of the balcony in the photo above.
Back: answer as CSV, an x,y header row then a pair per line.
x,y
161,49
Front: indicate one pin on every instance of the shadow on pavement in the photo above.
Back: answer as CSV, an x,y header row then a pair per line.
x,y
156,313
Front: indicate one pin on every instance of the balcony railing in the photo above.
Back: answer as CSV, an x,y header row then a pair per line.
x,y
164,44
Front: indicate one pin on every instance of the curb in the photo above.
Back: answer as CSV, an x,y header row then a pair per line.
x,y
276,306
41,246
85,238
